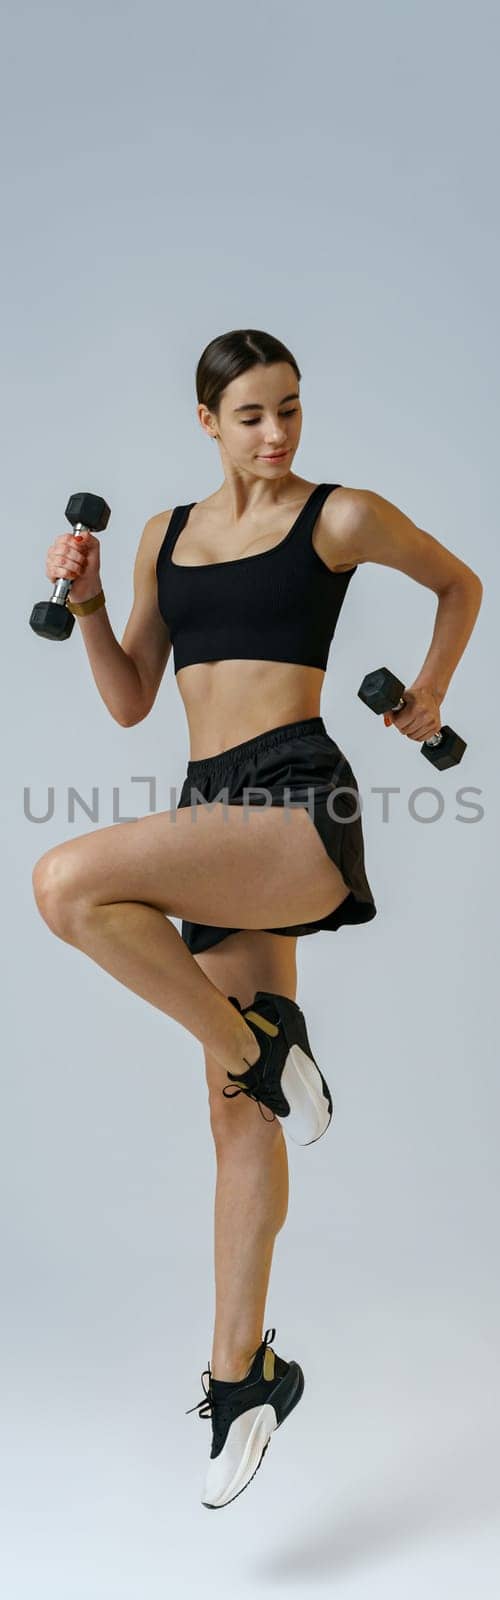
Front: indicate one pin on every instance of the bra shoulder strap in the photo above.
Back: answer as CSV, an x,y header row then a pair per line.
x,y
175,523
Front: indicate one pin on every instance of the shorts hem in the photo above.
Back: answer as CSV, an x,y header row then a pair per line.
x,y
351,912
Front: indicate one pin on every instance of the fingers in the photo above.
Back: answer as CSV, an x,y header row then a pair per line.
x,y
423,731
67,557
416,733
63,565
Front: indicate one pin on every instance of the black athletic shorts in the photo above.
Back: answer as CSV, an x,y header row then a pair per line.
x,y
297,763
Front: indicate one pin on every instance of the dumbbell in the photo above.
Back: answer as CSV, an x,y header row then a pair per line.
x,y
51,618
382,691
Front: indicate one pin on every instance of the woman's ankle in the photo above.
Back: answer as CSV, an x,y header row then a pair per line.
x,y
232,1368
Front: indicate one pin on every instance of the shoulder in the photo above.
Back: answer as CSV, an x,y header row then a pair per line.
x,y
153,534
344,517
149,546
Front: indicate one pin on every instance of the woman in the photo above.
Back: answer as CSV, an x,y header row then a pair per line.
x,y
246,586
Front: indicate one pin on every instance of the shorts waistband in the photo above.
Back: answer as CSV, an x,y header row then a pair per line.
x,y
261,741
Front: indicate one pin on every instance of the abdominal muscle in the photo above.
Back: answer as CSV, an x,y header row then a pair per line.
x,y
227,702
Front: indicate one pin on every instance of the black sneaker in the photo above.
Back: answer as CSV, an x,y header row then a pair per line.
x,y
244,1417
285,1078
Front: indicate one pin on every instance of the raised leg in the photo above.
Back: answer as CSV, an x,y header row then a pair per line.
x,y
140,947
109,894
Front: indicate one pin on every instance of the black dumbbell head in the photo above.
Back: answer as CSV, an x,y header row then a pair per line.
x,y
381,690
51,621
448,752
89,509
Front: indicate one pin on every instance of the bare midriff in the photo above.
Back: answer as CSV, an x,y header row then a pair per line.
x,y
229,701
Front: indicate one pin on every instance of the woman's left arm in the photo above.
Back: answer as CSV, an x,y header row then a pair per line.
x,y
378,531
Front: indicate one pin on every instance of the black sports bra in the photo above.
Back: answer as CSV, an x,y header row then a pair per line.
x,y
241,610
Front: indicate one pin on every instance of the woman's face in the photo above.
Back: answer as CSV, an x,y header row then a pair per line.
x,y
260,413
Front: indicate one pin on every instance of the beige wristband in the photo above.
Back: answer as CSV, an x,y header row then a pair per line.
x,y
87,606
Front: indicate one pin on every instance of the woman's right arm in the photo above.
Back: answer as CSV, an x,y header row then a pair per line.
x,y
127,675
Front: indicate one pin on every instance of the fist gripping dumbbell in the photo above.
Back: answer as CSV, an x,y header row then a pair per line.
x,y
87,513
381,691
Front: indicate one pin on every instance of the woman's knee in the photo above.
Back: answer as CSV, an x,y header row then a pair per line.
x,y
56,891
235,1117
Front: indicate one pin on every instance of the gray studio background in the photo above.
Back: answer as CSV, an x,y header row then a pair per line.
x,y
327,174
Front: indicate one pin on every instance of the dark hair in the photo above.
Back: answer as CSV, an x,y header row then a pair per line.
x,y
232,353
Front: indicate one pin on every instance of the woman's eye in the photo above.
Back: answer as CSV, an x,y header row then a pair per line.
x,y
257,419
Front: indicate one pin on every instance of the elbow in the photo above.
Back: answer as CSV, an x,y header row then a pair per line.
x,y
474,577
477,587
131,718
467,579
127,720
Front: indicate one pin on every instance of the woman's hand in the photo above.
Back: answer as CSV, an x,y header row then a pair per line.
x,y
419,717
78,557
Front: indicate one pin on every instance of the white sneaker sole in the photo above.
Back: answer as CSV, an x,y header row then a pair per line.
x,y
302,1086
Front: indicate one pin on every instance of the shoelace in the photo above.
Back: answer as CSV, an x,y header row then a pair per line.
x,y
252,1077
205,1407
230,1090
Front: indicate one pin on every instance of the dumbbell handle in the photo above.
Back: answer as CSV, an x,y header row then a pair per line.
x,y
63,585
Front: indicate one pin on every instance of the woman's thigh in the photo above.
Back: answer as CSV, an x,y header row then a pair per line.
x,y
229,866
